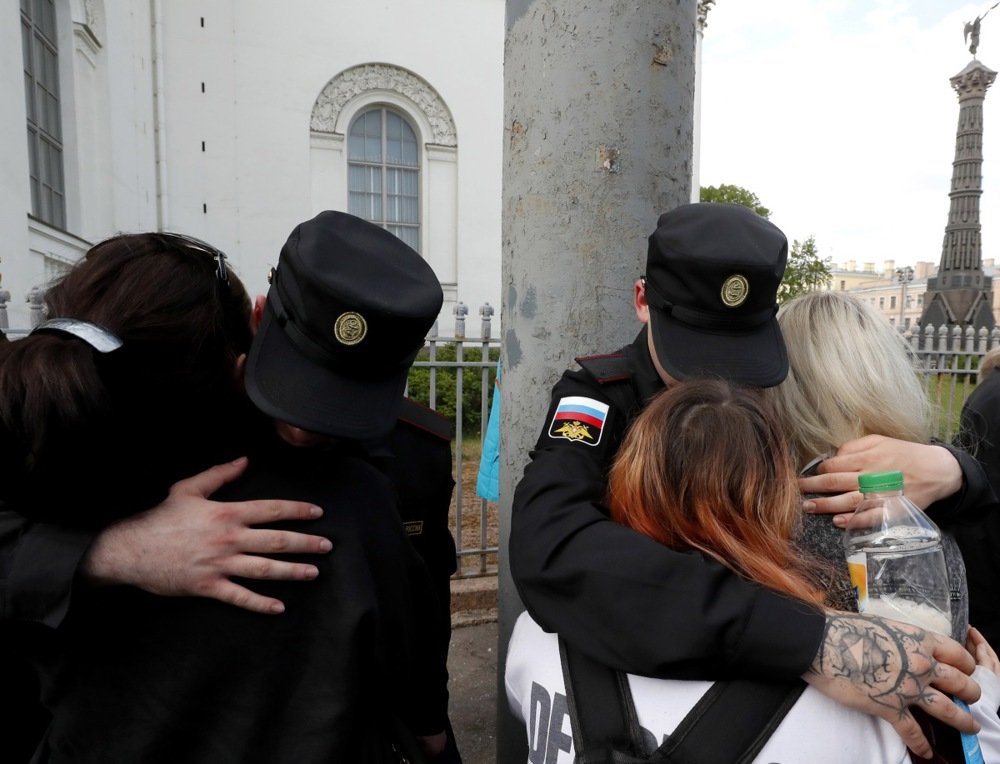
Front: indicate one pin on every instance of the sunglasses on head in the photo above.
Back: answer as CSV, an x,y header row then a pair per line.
x,y
221,269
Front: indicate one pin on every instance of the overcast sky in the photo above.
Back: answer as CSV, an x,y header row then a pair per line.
x,y
839,115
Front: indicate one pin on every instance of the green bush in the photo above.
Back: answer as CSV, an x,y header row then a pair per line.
x,y
472,379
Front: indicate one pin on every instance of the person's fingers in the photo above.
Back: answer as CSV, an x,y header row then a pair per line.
x,y
858,445
941,707
987,658
264,568
950,654
869,518
973,637
267,541
913,737
982,650
263,511
211,480
837,504
840,481
234,594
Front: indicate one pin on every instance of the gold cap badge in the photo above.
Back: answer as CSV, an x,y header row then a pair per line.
x,y
350,328
735,291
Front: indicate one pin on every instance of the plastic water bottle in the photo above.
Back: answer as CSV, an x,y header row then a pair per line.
x,y
895,557
898,571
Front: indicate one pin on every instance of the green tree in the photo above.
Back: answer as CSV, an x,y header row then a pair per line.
x,y
804,272
734,195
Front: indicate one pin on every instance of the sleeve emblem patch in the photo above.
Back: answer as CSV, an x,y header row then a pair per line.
x,y
579,419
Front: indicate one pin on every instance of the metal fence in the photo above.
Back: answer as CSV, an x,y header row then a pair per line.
x,y
474,519
948,360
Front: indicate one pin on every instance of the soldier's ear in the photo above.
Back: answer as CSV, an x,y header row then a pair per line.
x,y
639,300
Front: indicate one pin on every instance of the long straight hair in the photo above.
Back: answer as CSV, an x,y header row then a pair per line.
x,y
705,468
850,374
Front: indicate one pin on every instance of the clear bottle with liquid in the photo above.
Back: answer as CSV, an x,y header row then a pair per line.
x,y
895,557
897,567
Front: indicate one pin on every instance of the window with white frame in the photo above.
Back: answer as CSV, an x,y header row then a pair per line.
x,y
41,95
383,177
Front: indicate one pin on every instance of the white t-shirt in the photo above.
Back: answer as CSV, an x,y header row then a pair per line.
x,y
816,729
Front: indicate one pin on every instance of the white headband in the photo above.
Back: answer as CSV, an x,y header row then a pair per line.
x,y
99,338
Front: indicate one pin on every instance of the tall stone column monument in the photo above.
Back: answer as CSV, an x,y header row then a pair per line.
x,y
961,293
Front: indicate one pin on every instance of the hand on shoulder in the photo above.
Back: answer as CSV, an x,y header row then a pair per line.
x,y
190,545
930,473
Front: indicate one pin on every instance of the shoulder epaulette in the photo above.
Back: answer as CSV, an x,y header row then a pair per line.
x,y
606,368
426,419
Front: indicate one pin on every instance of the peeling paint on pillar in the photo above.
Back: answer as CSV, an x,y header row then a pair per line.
x,y
582,79
513,349
530,304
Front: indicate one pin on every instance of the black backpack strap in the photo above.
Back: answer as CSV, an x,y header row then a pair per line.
x,y
731,723
602,715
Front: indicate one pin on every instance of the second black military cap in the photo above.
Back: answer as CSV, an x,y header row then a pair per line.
x,y
348,309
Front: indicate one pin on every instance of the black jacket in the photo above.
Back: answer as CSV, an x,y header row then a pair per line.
x,y
131,676
38,563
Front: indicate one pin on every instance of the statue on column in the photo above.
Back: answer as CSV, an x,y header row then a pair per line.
x,y
972,30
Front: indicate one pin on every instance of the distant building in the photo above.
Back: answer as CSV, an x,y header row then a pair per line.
x,y
883,288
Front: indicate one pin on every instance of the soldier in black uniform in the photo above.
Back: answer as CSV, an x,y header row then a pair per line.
x,y
708,305
420,468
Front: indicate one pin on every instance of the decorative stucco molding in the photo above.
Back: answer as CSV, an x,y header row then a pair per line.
x,y
373,77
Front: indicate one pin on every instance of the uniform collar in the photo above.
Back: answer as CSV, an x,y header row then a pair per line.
x,y
647,381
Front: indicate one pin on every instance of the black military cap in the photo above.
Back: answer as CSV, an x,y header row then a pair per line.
x,y
712,275
348,309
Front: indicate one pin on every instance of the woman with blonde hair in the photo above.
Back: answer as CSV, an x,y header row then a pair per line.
x,y
850,375
705,469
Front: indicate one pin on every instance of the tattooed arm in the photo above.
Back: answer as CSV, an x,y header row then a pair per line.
x,y
883,667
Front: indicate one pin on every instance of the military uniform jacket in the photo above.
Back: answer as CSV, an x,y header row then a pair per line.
x,y
625,599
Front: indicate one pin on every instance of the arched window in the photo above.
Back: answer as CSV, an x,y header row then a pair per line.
x,y
41,95
383,179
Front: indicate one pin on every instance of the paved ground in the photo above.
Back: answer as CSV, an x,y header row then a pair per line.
x,y
472,665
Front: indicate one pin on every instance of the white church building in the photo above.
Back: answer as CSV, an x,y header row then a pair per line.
x,y
234,121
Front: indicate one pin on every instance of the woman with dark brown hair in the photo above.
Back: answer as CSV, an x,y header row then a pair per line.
x,y
161,399
138,373
705,470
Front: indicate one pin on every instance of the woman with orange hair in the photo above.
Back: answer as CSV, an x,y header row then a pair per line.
x,y
705,469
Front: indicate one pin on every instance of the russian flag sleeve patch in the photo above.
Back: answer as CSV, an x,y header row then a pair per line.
x,y
579,419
